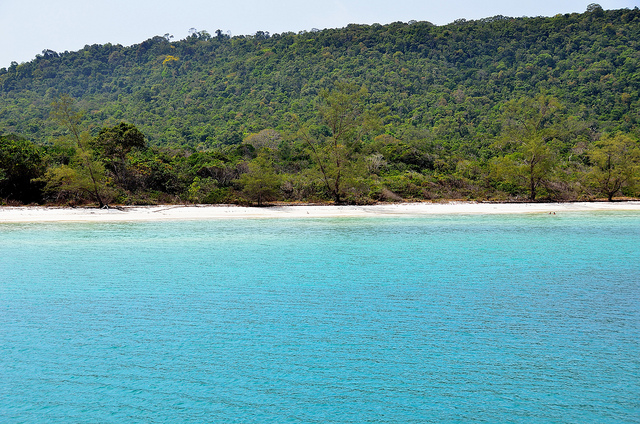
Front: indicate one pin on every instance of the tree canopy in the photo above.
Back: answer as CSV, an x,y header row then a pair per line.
x,y
445,81
499,108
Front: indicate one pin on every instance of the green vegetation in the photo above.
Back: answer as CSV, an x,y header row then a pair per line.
x,y
500,108
20,163
615,159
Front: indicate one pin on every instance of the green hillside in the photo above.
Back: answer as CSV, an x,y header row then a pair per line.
x,y
440,96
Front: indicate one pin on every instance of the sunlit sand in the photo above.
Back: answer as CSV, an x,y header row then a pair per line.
x,y
186,212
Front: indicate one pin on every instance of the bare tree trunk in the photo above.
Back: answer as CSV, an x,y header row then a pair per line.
x,y
532,182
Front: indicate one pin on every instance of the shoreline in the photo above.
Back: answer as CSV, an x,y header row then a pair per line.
x,y
36,214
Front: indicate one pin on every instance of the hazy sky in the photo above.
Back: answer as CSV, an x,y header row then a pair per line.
x,y
29,26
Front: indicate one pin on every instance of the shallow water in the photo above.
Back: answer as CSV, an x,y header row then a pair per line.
x,y
514,318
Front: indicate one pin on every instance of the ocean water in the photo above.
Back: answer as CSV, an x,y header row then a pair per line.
x,y
444,319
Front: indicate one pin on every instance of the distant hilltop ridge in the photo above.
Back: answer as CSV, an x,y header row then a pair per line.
x,y
216,89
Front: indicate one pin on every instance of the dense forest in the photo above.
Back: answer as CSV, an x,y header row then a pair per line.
x,y
543,108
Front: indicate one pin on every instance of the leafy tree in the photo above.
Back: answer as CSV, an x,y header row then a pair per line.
x,y
73,183
616,164
84,174
21,164
114,144
345,121
529,166
266,138
203,190
594,7
529,126
261,183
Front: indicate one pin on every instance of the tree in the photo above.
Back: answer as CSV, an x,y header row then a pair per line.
x,y
615,164
528,127
114,144
72,183
86,174
345,119
266,138
21,164
594,8
261,183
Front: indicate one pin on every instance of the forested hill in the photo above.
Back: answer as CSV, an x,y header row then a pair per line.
x,y
442,83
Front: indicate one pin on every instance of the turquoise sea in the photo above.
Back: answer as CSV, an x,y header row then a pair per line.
x,y
443,319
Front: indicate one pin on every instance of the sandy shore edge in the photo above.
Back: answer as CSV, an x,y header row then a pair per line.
x,y
193,212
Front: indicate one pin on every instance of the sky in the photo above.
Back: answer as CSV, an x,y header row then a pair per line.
x,y
27,27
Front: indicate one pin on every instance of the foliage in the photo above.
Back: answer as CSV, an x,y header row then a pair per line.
x,y
21,163
616,163
206,91
73,184
114,144
84,174
499,108
260,183
332,146
530,127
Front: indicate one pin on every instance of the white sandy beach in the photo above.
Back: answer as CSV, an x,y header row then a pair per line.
x,y
194,212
